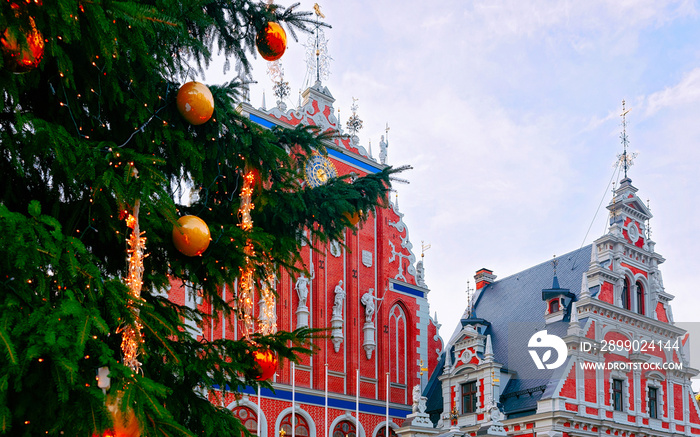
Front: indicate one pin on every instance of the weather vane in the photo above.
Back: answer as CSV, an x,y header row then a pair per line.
x,y
626,159
317,58
423,248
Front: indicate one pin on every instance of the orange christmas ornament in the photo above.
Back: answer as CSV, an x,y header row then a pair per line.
x,y
271,42
191,235
354,218
124,422
195,103
19,57
267,364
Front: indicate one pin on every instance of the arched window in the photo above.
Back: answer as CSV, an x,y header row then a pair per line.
x,y
344,429
248,418
301,428
640,297
382,432
397,340
626,301
553,306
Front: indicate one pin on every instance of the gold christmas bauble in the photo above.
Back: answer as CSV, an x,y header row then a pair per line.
x,y
191,235
195,103
271,42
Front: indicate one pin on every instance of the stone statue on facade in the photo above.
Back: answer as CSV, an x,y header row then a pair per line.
x,y
419,401
338,300
337,316
302,288
383,146
368,300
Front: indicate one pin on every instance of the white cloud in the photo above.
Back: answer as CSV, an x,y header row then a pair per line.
x,y
685,92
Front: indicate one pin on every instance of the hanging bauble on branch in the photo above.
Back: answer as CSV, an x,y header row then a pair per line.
x,y
266,362
125,423
271,41
24,52
191,235
353,218
195,103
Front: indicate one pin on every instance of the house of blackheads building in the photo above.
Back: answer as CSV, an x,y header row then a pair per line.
x,y
367,290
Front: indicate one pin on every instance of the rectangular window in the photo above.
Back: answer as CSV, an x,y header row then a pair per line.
x,y
469,397
653,406
617,394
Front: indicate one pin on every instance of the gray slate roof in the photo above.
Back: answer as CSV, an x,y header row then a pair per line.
x,y
515,309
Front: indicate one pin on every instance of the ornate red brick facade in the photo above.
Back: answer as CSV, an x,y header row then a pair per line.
x,y
385,347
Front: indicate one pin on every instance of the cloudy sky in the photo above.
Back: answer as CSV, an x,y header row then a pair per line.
x,y
508,110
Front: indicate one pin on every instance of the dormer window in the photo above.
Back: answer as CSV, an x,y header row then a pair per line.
x,y
554,306
640,297
626,301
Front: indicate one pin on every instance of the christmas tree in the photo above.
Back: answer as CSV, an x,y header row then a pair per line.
x,y
98,164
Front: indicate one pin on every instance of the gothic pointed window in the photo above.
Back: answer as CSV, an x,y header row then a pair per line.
x,y
640,297
398,345
626,301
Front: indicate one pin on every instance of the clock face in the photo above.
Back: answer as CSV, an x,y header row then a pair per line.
x,y
318,170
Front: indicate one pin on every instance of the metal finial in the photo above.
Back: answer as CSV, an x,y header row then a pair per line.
x,y
625,159
354,122
280,88
469,299
555,263
648,221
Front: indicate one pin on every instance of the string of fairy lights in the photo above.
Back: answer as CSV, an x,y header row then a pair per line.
x,y
131,333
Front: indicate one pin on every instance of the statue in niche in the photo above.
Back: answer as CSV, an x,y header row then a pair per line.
x,y
338,300
302,288
368,300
